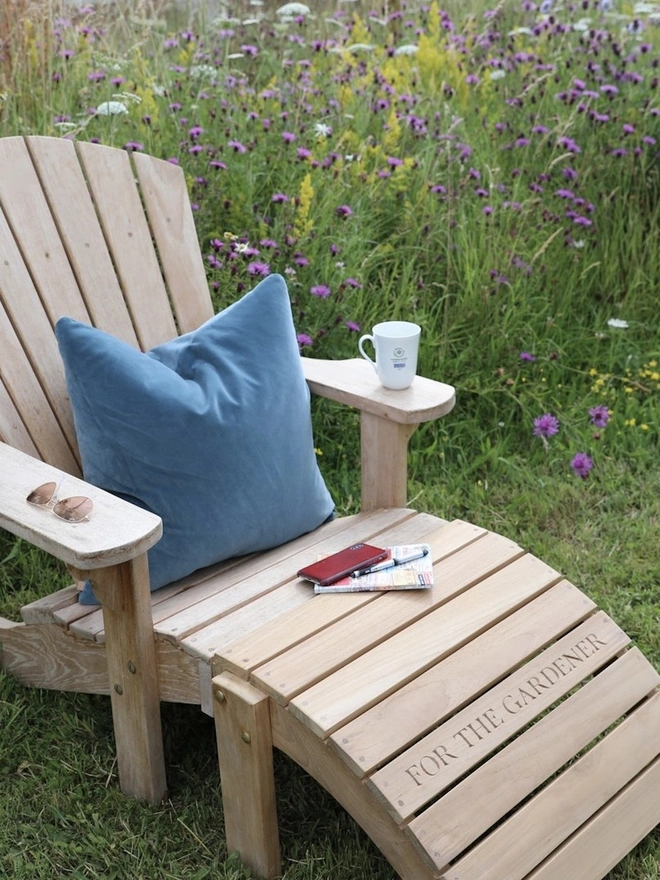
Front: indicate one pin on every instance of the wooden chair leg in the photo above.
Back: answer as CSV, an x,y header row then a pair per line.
x,y
245,755
384,462
123,591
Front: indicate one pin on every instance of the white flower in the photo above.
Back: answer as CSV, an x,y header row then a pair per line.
x,y
617,323
582,25
322,130
408,49
497,74
111,108
199,71
360,47
294,9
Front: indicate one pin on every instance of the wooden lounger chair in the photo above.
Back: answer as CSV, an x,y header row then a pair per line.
x,y
496,726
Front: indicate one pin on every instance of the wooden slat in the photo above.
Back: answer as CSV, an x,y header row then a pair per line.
x,y
42,610
12,427
376,674
613,832
288,630
64,184
25,328
453,822
409,713
289,595
28,398
166,200
447,753
222,588
308,662
267,571
544,823
111,180
35,231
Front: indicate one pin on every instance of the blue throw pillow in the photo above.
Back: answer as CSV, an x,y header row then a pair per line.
x,y
212,431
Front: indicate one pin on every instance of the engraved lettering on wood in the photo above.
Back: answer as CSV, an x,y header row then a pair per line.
x,y
432,763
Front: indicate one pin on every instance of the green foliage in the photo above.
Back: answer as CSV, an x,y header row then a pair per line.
x,y
497,179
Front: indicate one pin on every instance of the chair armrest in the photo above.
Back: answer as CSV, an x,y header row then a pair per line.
x,y
387,420
355,383
116,531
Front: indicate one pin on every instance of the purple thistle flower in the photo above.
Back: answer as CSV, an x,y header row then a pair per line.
x,y
343,211
133,145
546,425
288,137
582,464
258,269
320,290
353,326
237,146
304,340
280,198
527,356
599,415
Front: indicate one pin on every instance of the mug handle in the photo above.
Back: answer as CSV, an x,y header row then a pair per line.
x,y
362,340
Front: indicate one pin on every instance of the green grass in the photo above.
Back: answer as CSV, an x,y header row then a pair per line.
x,y
505,213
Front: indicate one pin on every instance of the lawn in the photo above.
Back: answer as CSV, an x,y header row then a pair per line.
x,y
490,171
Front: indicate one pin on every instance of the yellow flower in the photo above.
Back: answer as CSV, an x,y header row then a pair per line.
x,y
303,225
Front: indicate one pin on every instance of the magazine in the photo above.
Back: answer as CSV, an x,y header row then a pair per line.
x,y
408,567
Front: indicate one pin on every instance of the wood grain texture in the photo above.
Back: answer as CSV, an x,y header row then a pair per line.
x,y
115,532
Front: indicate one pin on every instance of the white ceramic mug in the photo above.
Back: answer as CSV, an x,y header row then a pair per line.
x,y
396,344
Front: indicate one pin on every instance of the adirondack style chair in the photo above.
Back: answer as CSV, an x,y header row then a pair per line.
x,y
497,725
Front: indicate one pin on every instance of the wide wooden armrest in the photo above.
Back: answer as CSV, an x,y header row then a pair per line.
x,y
116,531
355,383
387,419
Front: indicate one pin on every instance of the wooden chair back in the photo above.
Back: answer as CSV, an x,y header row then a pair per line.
x,y
99,235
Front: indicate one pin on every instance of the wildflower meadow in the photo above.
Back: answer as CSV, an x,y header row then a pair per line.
x,y
490,171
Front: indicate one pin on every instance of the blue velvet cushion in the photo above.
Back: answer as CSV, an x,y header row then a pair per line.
x,y
211,431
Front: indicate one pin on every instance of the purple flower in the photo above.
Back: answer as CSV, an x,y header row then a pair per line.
x,y
526,356
258,269
352,325
237,146
288,137
133,145
546,425
599,415
582,464
320,290
304,340
280,198
343,211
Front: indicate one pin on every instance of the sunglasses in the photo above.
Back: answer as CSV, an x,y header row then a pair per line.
x,y
74,509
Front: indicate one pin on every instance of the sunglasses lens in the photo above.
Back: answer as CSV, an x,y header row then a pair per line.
x,y
42,494
73,509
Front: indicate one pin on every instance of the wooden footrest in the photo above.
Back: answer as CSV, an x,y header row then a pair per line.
x,y
496,727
